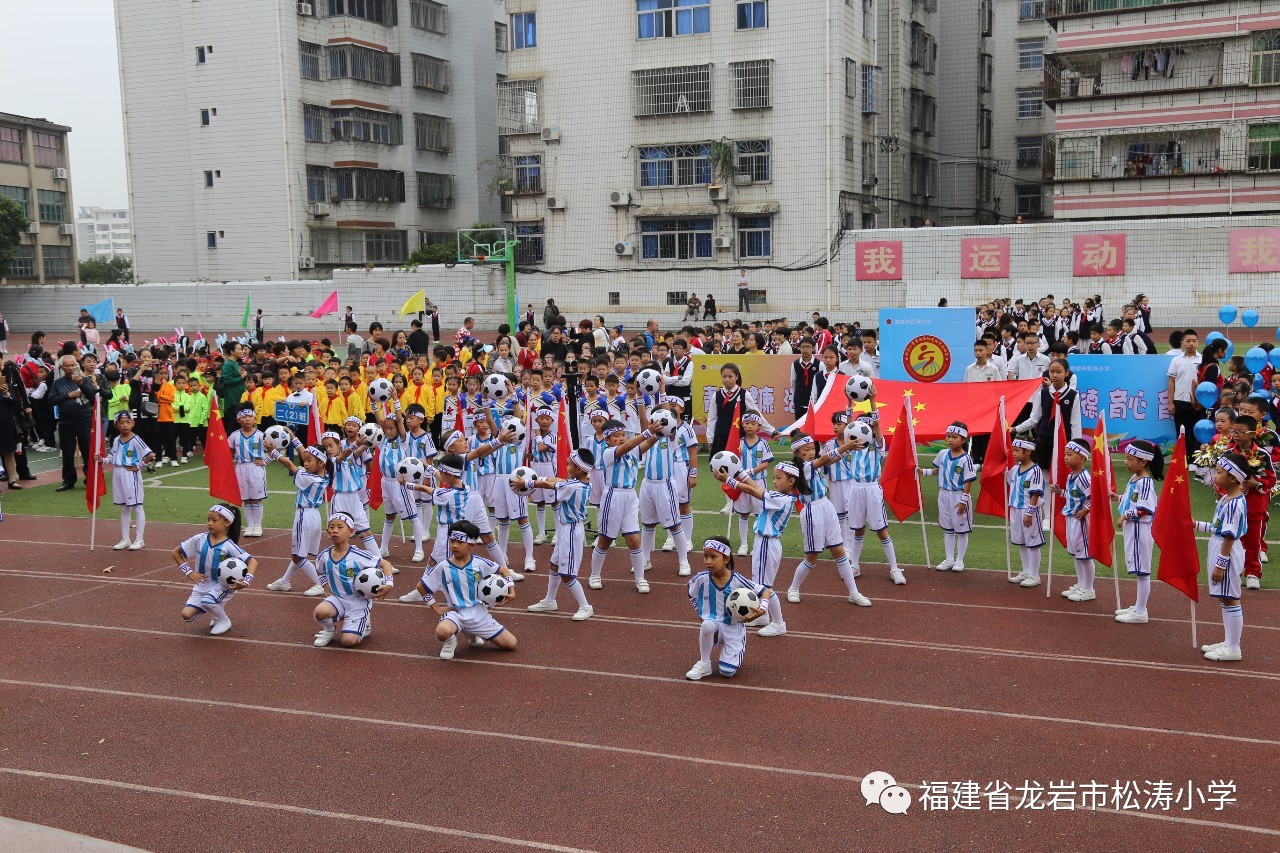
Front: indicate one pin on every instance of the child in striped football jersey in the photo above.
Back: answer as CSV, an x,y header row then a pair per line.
x,y
572,497
955,471
1145,463
339,565
1226,552
311,479
709,591
755,455
251,468
200,559
1026,503
454,586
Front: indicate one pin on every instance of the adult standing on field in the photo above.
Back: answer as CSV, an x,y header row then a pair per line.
x,y
744,291
72,395
232,383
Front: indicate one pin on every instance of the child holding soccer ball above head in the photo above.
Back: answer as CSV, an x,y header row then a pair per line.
x,y
129,453
571,501
340,564
455,584
201,558
251,468
619,513
398,501
755,455
311,479
709,593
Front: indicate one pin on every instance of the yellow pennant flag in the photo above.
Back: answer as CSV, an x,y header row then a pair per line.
x,y
415,303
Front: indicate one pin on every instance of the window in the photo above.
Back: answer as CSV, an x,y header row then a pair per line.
x,y
850,150
48,149
986,72
751,84
1030,200
371,185
755,236
430,73
924,113
363,63
317,183
1030,102
675,239
753,159
869,164
1031,10
11,145
359,125
850,79
57,261
671,91
870,89
984,128
924,49
526,173
429,15
309,60
518,106
211,239
677,297
432,133
675,165
1030,54
666,18
377,11
529,242
315,120
1264,147
1265,70
985,14
23,264
924,176
435,190
208,179
1030,151
21,195
53,205
614,297
500,37
200,55
384,247
524,30
204,118
1077,157
753,14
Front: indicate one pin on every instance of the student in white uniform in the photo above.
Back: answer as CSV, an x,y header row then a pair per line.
x,y
343,607
251,468
954,469
1026,505
311,479
200,559
619,513
1137,509
709,591
128,454
1226,553
1076,506
571,503
454,586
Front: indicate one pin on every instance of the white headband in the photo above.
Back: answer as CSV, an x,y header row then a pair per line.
x,y
1079,448
344,518
1233,469
224,512
351,418
801,442
543,410
673,401
788,468
1024,444
459,536
611,430
752,418
598,413
453,436
718,546
576,458
449,469
958,430
1144,455
330,434
317,451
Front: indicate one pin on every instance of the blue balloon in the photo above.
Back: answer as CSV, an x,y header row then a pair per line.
x,y
1215,334
1275,358
1204,431
1255,359
1207,394
1227,314
1231,350
1249,318
1257,382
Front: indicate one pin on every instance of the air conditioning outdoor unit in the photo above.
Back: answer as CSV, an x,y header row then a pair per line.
x,y
554,203
66,230
33,228
551,134
619,198
871,181
717,193
318,208
741,180
59,174
306,263
624,250
723,241
306,9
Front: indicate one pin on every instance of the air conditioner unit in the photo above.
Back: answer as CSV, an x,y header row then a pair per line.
x,y
306,263
741,180
619,198
718,193
624,250
33,228
66,230
59,174
551,134
723,241
871,181
554,203
318,208
306,9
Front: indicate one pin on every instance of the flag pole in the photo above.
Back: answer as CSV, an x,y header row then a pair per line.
x,y
1004,484
1053,475
1194,644
1111,487
94,467
1182,436
915,472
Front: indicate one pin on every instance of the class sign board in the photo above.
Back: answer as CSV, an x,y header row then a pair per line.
x,y
295,414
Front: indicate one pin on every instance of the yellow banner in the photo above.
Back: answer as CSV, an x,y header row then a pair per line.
x,y
768,377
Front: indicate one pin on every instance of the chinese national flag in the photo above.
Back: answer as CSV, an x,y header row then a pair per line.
x,y
315,427
1173,529
991,498
901,491
563,442
217,456
375,481
97,486
1102,528
1058,474
734,444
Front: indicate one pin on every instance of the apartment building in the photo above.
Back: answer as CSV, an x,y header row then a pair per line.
x,y
103,233
35,172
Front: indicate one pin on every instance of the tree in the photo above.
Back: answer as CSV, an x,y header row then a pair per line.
x,y
114,270
13,225
433,253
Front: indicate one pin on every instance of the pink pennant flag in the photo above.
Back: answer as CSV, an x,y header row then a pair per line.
x,y
329,306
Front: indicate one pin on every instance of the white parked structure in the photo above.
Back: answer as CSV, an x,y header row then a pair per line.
x,y
103,233
283,139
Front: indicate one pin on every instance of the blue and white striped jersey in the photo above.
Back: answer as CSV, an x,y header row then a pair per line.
x,y
130,452
684,438
1023,483
572,497
1230,519
842,468
311,489
619,471
867,463
775,514
817,482
340,572
710,600
1140,496
660,461
451,504
205,557
544,448
954,471
349,475
420,446
1076,494
597,446
460,584
755,454
484,465
506,458
246,448
390,453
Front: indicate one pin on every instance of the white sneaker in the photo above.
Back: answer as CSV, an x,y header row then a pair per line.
x,y
412,596
1019,577
368,627
220,626
323,638
1252,582
394,570
958,566
121,545
318,589
418,556
1082,595
743,550
945,565
584,613
450,646
1071,590
183,460
700,670
543,606
137,545
670,544
728,508
1208,647
1224,653
516,576
773,629
476,642
1263,556
540,539
385,552
860,600
642,587
685,569
173,464
281,585
760,622
1129,609
793,596
595,583
1131,617
1030,581
856,569
897,576
530,565
648,566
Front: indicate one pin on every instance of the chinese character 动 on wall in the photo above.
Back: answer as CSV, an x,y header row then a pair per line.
x,y
1098,254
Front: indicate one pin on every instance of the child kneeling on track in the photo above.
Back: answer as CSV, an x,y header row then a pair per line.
x,y
1145,462
311,479
251,468
1026,503
339,565
128,454
200,558
454,585
709,592
1226,552
1075,510
571,498
956,474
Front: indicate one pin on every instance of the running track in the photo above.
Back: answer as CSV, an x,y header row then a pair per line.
x,y
125,723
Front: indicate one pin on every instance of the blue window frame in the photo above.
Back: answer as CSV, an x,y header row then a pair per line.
x,y
524,30
211,239
675,165
675,239
755,236
666,18
753,14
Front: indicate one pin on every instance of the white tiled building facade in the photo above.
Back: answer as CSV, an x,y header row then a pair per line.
x,y
280,138
103,233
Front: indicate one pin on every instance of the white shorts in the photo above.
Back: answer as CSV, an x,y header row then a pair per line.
x,y
487,485
747,505
1138,543
1229,586
207,592
766,556
597,486
1078,537
838,492
566,557
732,640
680,482
507,505
304,541
126,487
546,497
865,505
820,527
619,513
397,499
1031,536
353,505
949,519
475,620
659,504
252,480
352,612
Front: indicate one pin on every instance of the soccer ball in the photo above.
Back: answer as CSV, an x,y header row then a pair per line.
x,y
369,582
381,390
859,431
413,469
649,381
858,388
232,569
371,433
862,369
277,437
664,423
494,590
512,426
496,387
741,603
726,462
522,480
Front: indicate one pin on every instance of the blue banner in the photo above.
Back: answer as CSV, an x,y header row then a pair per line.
x,y
103,312
926,344
296,414
1133,392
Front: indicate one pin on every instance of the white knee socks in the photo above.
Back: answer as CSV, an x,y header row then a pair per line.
x,y
542,521
682,544
647,537
387,533
802,572
526,539
686,523
949,544
1084,573
744,528
962,545
846,574
597,560
637,563
855,550
1030,560
497,554
1232,624
504,536
579,595
890,555
553,586
1144,592
706,640
125,514
775,610
418,537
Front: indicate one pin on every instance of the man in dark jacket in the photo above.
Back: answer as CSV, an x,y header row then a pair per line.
x,y
72,395
419,342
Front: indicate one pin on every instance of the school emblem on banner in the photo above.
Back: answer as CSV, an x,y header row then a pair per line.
x,y
926,358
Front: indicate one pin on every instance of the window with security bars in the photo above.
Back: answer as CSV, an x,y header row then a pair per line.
x,y
518,107
520,174
11,145
1030,102
671,91
47,148
677,297
986,72
1264,147
1030,10
430,72
435,190
429,15
675,165
500,37
353,246
317,183
753,159
377,11
868,164
529,242
850,79
1265,63
361,125
57,261
363,63
370,185
751,84
676,239
755,236
924,49
315,123
666,18
1030,54
1029,199
309,60
53,205
924,112
870,89
432,133
984,128
21,195
23,263
1030,151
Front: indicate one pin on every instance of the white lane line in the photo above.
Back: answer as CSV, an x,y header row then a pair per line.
x,y
298,810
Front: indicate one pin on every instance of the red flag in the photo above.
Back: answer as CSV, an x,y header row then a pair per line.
x,y
1173,528
1058,474
315,427
901,491
375,481
329,306
217,456
563,440
734,444
97,485
991,498
1102,526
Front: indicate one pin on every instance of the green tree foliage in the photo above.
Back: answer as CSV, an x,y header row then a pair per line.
x,y
433,253
13,225
115,270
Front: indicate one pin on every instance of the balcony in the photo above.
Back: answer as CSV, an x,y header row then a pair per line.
x,y
1146,70
1140,156
1081,8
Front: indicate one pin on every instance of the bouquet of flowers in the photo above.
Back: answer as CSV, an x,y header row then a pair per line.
x,y
1206,458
